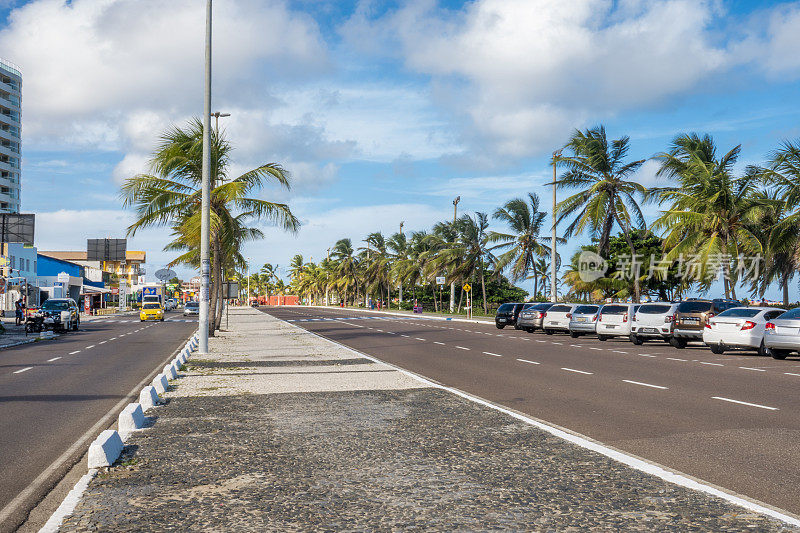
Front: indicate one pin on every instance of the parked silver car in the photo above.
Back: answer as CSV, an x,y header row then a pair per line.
x,y
530,319
782,334
557,318
739,328
615,320
583,320
191,309
653,321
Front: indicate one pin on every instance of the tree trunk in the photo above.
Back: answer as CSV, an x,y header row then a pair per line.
x,y
785,291
215,267
220,301
460,299
535,287
435,301
626,230
483,289
602,246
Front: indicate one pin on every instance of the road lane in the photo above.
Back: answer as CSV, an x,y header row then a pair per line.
x,y
748,444
69,384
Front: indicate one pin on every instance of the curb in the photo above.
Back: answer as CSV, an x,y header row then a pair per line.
x,y
395,313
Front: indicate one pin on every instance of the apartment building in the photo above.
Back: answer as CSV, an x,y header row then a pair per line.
x,y
10,136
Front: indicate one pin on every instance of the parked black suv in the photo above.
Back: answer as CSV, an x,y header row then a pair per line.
x,y
61,314
507,315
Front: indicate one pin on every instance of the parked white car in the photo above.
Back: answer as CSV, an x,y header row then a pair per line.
x,y
782,334
583,320
615,320
653,321
739,328
557,318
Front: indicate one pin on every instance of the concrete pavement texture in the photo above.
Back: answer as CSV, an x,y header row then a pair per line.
x,y
280,430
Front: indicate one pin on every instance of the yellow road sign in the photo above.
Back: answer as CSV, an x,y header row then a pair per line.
x,y
467,287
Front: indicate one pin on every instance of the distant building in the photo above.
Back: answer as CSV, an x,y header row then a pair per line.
x,y
10,136
98,271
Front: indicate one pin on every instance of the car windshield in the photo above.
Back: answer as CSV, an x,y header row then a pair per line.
x,y
794,313
192,304
560,309
542,307
55,305
694,307
740,312
586,309
152,306
615,309
654,309
505,308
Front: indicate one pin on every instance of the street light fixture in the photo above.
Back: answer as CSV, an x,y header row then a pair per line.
x,y
216,116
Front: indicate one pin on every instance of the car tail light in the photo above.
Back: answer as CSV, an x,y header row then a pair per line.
x,y
594,317
544,314
599,318
625,317
569,315
748,325
539,314
769,325
672,318
709,324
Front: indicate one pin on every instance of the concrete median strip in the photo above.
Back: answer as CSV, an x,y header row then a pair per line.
x,y
170,372
130,419
105,449
148,398
160,383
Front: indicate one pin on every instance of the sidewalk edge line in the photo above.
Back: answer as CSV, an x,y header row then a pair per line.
x,y
395,313
637,463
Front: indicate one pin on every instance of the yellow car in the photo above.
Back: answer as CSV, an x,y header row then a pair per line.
x,y
151,311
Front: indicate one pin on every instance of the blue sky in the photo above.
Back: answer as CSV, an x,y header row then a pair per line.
x,y
383,111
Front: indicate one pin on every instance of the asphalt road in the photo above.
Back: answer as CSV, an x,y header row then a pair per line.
x,y
53,392
732,419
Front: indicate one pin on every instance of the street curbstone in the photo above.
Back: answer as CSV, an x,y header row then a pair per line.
x,y
160,383
130,419
169,371
148,398
105,449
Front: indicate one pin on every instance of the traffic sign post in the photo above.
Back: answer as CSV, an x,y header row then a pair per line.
x,y
468,289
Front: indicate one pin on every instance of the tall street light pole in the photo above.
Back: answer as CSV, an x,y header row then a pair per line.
x,y
248,281
400,293
205,220
553,291
453,282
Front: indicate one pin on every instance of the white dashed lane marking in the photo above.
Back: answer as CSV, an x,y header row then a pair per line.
x,y
53,359
21,370
494,354
529,362
676,359
73,353
753,369
439,343
88,347
712,364
745,403
644,384
462,348
576,371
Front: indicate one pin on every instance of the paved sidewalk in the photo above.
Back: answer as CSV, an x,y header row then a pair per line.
x,y
280,430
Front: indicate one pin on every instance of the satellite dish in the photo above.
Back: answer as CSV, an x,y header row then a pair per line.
x,y
165,273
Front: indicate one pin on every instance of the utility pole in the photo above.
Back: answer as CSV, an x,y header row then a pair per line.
x,y
400,294
553,291
452,281
205,219
327,279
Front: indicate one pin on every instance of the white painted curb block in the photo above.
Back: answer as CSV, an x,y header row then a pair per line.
x,y
105,449
169,371
160,383
68,505
148,398
131,418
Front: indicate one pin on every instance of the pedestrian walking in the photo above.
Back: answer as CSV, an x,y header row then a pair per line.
x,y
20,310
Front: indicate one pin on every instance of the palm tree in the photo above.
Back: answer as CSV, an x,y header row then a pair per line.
x,y
607,197
170,195
710,211
398,248
473,248
347,271
522,245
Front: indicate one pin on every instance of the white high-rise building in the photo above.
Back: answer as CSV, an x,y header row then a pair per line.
x,y
10,136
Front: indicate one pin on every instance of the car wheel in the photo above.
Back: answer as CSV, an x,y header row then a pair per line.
x,y
76,325
574,334
678,343
779,354
717,349
499,326
602,338
637,340
548,331
763,350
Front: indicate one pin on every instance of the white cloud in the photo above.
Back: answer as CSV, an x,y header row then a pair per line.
x,y
520,74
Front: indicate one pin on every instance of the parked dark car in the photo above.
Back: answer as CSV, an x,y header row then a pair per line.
x,y
507,315
61,314
691,318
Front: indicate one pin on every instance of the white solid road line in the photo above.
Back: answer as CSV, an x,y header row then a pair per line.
x,y
644,384
20,371
595,349
494,354
578,371
676,359
745,403
437,342
713,364
462,348
73,353
53,359
646,355
791,374
527,361
753,369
